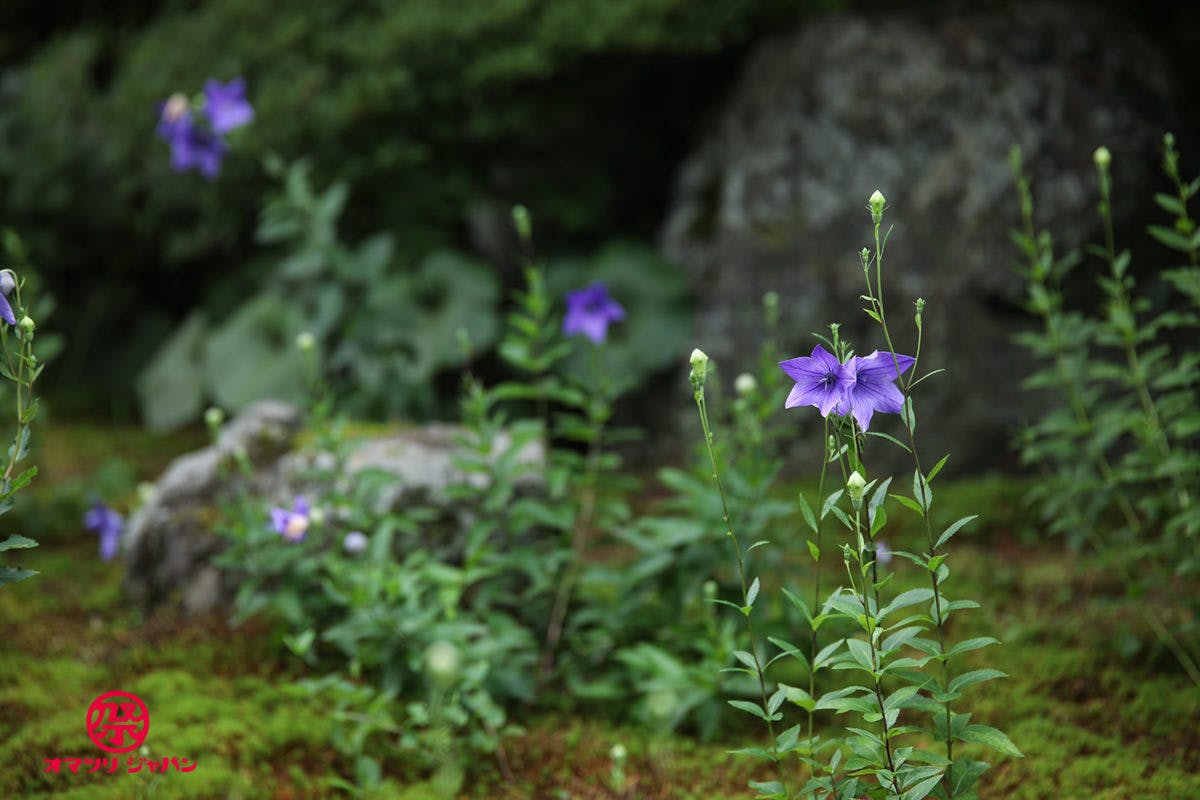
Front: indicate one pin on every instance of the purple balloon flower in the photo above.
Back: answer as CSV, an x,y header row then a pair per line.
x,y
226,105
192,146
874,386
821,380
107,524
589,311
292,525
8,282
858,388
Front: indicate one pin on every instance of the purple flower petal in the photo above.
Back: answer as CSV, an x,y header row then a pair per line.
x,y
6,312
226,106
821,380
873,386
589,311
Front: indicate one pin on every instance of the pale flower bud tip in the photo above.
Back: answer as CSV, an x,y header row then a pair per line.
x,y
1102,157
305,341
856,485
877,199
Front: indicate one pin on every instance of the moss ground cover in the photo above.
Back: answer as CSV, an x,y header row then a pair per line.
x,y
1098,711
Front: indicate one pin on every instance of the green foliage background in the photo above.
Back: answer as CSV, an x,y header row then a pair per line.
x,y
430,111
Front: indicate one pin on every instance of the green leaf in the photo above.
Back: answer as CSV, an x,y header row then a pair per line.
x,y
799,603
747,659
953,528
971,644
14,574
997,740
814,551
788,649
13,542
807,512
827,653
860,651
922,789
973,677
908,503
906,599
749,708
752,594
938,467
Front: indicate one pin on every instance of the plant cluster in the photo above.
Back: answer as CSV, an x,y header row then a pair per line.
x,y
909,684
1119,444
20,366
434,114
429,629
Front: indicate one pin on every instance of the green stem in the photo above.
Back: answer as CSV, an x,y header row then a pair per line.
x,y
758,668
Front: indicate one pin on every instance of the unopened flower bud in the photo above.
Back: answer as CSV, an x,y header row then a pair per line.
x,y
618,753
214,417
442,661
305,341
316,515
745,384
8,281
876,204
175,108
699,368
1102,157
27,325
523,223
855,487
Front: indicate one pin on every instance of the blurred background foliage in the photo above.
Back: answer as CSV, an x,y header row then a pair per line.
x,y
433,117
427,120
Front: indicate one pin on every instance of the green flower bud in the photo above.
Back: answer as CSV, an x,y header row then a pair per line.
x,y
699,369
305,341
1102,157
27,325
856,486
214,417
745,384
522,222
618,753
442,662
876,204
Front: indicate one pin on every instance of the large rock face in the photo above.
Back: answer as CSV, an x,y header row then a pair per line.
x,y
925,109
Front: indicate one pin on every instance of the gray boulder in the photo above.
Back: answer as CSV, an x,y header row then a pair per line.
x,y
924,107
169,544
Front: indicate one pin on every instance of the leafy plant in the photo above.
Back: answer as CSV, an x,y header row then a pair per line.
x,y
383,331
1120,448
899,648
19,365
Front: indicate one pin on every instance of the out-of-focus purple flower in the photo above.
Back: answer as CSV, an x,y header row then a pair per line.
x,y
197,142
8,282
107,524
355,542
873,386
192,146
883,553
226,106
292,525
589,311
858,388
821,380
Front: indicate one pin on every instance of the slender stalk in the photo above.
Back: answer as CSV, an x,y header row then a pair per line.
x,y
758,668
876,294
812,672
